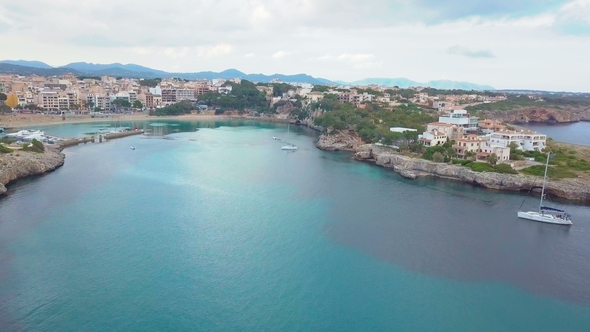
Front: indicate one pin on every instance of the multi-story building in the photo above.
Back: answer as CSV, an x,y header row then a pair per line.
x,y
489,126
185,94
433,138
64,103
469,144
153,101
501,152
50,100
452,131
97,100
525,140
201,90
460,118
169,96
225,89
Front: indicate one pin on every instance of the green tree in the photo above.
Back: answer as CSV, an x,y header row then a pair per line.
x,y
438,157
492,159
138,104
3,97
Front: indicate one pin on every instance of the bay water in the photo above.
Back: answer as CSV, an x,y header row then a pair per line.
x,y
219,229
574,133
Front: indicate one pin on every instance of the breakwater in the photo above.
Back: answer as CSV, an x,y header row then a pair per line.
x,y
21,164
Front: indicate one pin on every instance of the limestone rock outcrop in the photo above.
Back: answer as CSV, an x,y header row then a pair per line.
x,y
573,189
540,115
339,141
20,164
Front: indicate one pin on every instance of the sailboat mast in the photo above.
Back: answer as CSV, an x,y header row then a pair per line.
x,y
544,179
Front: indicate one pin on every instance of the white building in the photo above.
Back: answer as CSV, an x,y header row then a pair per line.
x,y
460,118
156,90
50,100
185,94
525,140
433,138
224,89
401,129
502,152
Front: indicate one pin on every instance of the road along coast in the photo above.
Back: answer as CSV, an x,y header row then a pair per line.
x,y
575,189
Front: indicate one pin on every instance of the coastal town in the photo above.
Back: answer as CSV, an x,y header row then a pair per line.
x,y
441,126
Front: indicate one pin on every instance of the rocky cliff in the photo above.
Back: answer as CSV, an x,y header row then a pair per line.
x,y
21,164
573,189
540,114
339,141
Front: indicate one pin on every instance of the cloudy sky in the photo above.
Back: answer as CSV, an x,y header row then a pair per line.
x,y
534,44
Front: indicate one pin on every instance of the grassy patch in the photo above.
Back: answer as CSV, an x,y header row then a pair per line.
x,y
485,167
34,146
462,162
4,149
554,172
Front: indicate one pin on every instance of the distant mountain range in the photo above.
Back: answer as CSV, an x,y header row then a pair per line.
x,y
24,67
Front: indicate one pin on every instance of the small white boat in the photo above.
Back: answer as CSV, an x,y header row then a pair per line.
x,y
40,137
547,214
132,147
25,133
288,146
275,138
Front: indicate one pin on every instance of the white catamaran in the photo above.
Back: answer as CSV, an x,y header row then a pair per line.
x,y
547,214
288,146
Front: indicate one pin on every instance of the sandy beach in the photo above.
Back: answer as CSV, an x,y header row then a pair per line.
x,y
30,120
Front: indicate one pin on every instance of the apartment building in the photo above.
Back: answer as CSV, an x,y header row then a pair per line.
x,y
185,94
503,153
49,100
525,140
452,131
168,96
153,101
469,144
489,126
461,118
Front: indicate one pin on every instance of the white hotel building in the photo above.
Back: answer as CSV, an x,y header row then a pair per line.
x,y
526,140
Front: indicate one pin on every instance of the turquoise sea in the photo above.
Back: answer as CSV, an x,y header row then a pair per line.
x,y
220,230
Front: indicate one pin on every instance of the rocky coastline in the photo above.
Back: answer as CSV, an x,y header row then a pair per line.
x,y
409,167
21,164
540,115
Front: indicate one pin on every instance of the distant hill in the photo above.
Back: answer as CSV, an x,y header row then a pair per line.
x,y
26,63
405,83
24,70
117,68
23,67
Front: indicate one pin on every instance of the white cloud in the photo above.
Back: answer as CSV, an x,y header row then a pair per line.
x,y
214,50
336,39
355,57
176,53
326,57
368,65
280,54
142,50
